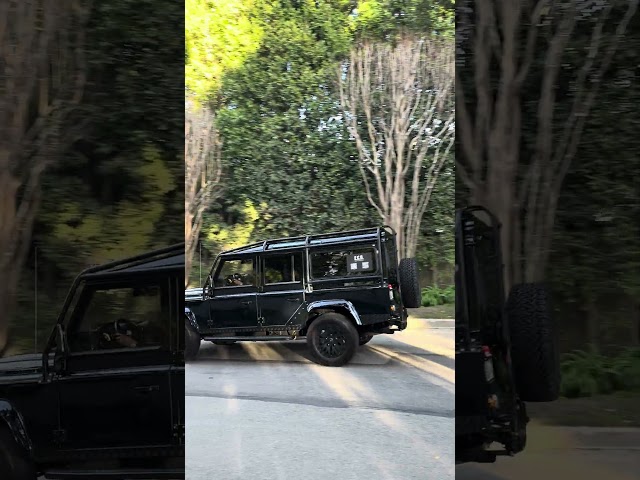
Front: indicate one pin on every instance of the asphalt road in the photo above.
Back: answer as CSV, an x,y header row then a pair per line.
x,y
566,452
264,411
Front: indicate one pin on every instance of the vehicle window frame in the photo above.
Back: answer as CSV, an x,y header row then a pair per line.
x,y
228,288
300,257
349,251
85,295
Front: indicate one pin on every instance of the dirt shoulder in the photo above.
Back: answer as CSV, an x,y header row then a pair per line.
x,y
617,410
439,312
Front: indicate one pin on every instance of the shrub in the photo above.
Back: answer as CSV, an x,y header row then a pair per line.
x,y
586,373
433,296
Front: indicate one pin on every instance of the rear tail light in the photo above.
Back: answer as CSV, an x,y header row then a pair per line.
x,y
390,292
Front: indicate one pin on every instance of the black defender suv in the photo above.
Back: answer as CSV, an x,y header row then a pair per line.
x,y
505,349
338,290
106,398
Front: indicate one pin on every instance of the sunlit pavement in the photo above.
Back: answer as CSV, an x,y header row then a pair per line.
x,y
265,411
566,452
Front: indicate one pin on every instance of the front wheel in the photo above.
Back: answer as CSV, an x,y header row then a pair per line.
x,y
14,463
332,340
191,342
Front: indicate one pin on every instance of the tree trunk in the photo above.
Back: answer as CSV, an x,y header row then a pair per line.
x,y
635,322
593,324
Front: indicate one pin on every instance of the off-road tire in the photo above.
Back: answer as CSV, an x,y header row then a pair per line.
x,y
410,283
534,352
342,326
191,342
14,462
365,338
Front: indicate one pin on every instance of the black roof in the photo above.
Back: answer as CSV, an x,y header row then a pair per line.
x,y
166,259
312,240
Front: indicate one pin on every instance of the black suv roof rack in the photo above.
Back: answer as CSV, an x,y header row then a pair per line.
x,y
165,258
168,258
311,240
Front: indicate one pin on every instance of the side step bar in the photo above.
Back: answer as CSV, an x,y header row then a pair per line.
x,y
256,338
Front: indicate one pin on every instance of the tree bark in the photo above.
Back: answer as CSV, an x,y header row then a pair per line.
x,y
44,65
203,173
523,191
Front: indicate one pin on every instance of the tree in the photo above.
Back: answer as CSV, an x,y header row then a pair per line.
x,y
43,79
517,134
203,172
397,101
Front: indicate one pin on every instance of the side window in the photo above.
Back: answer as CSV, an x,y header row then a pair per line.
x,y
285,268
235,273
343,263
120,317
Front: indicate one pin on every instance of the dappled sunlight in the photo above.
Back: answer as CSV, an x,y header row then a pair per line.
x,y
351,389
421,338
440,375
262,351
343,383
231,403
394,421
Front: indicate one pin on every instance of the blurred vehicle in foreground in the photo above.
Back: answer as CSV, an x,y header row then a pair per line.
x,y
106,397
505,349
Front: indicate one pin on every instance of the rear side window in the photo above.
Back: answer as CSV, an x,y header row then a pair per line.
x,y
344,263
282,269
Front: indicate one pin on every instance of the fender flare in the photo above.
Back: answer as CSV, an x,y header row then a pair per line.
x,y
11,418
336,303
191,318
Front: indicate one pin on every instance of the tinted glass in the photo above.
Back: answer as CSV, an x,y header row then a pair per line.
x,y
112,318
235,273
282,269
343,263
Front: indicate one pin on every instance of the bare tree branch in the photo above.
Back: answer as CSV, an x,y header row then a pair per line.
x,y
398,105
203,173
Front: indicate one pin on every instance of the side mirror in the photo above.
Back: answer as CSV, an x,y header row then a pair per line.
x,y
60,356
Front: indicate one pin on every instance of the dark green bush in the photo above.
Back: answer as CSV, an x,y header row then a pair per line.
x,y
434,295
587,373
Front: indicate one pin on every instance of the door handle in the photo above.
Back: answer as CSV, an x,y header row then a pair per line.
x,y
246,302
147,389
293,300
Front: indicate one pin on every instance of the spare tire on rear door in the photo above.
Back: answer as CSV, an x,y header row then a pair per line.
x,y
534,353
410,283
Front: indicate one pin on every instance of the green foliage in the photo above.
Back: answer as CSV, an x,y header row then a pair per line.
x,y
586,373
286,152
433,296
119,188
219,36
386,19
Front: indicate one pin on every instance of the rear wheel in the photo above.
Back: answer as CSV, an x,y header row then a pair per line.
x,y
191,342
410,283
332,340
14,462
534,353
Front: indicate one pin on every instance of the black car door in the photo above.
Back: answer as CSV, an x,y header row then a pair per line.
x,y
233,303
114,391
281,300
